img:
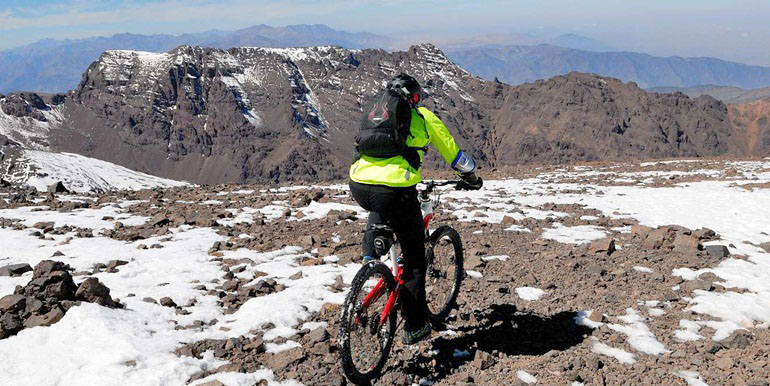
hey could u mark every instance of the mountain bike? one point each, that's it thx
(368, 321)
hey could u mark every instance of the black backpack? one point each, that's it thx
(385, 126)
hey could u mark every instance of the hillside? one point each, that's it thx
(723, 93)
(262, 114)
(523, 63)
(752, 119)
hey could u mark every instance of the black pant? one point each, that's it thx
(400, 208)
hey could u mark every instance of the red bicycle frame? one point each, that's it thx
(426, 205)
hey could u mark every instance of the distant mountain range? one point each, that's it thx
(57, 65)
(208, 115)
(526, 63)
(723, 93)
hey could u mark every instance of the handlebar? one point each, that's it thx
(430, 185)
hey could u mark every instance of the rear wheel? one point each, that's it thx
(444, 254)
(365, 342)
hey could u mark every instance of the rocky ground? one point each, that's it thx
(561, 288)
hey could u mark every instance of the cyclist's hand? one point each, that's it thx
(474, 183)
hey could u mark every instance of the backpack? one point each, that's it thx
(385, 126)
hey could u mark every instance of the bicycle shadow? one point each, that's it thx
(501, 329)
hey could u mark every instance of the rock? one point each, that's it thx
(696, 284)
(167, 302)
(603, 246)
(58, 187)
(765, 246)
(12, 303)
(739, 339)
(507, 220)
(48, 319)
(597, 316)
(483, 360)
(317, 336)
(641, 230)
(93, 291)
(307, 241)
(14, 270)
(724, 363)
(150, 300)
(717, 251)
(656, 238)
(284, 359)
(685, 243)
(296, 276)
(45, 267)
(704, 234)
(10, 323)
(112, 264)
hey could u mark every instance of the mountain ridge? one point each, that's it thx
(56, 66)
(517, 64)
(208, 115)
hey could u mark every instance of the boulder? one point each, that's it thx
(14, 270)
(167, 302)
(93, 291)
(739, 339)
(606, 246)
(687, 243)
(717, 251)
(656, 238)
(483, 360)
(57, 187)
(12, 303)
(697, 284)
(317, 336)
(53, 316)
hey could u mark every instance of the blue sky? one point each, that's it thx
(730, 29)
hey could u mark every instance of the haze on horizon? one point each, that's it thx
(734, 30)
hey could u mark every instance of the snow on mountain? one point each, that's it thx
(79, 173)
(28, 131)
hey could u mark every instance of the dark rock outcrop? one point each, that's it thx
(47, 297)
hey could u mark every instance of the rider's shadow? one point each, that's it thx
(501, 329)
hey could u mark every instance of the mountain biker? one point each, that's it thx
(386, 187)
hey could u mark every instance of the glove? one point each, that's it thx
(470, 181)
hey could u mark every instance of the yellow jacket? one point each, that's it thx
(426, 128)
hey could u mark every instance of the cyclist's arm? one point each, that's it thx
(445, 143)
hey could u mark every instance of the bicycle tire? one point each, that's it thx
(349, 322)
(440, 312)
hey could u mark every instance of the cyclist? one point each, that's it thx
(386, 188)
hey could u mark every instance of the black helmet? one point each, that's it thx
(409, 86)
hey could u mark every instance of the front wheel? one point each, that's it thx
(444, 254)
(365, 339)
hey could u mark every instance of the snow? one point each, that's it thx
(621, 355)
(691, 377)
(99, 341)
(474, 274)
(525, 376)
(27, 131)
(81, 174)
(530, 293)
(642, 269)
(518, 228)
(500, 258)
(581, 234)
(245, 379)
(639, 335)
